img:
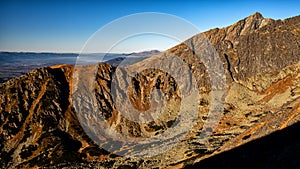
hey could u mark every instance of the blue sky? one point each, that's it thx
(65, 26)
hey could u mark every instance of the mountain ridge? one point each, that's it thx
(39, 125)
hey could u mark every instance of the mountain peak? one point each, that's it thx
(255, 19)
(243, 27)
(256, 15)
(252, 23)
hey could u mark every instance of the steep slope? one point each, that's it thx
(40, 127)
(38, 124)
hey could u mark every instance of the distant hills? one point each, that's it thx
(15, 64)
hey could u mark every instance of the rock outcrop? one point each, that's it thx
(40, 125)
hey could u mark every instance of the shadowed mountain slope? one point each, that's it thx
(278, 150)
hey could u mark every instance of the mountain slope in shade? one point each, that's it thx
(260, 153)
(39, 126)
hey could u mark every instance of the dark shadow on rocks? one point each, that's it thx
(279, 150)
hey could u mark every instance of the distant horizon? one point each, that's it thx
(53, 26)
(45, 52)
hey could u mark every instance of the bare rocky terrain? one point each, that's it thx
(42, 112)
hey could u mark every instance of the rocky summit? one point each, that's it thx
(225, 98)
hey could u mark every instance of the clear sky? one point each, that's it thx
(65, 26)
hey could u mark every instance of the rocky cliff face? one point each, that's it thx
(261, 58)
